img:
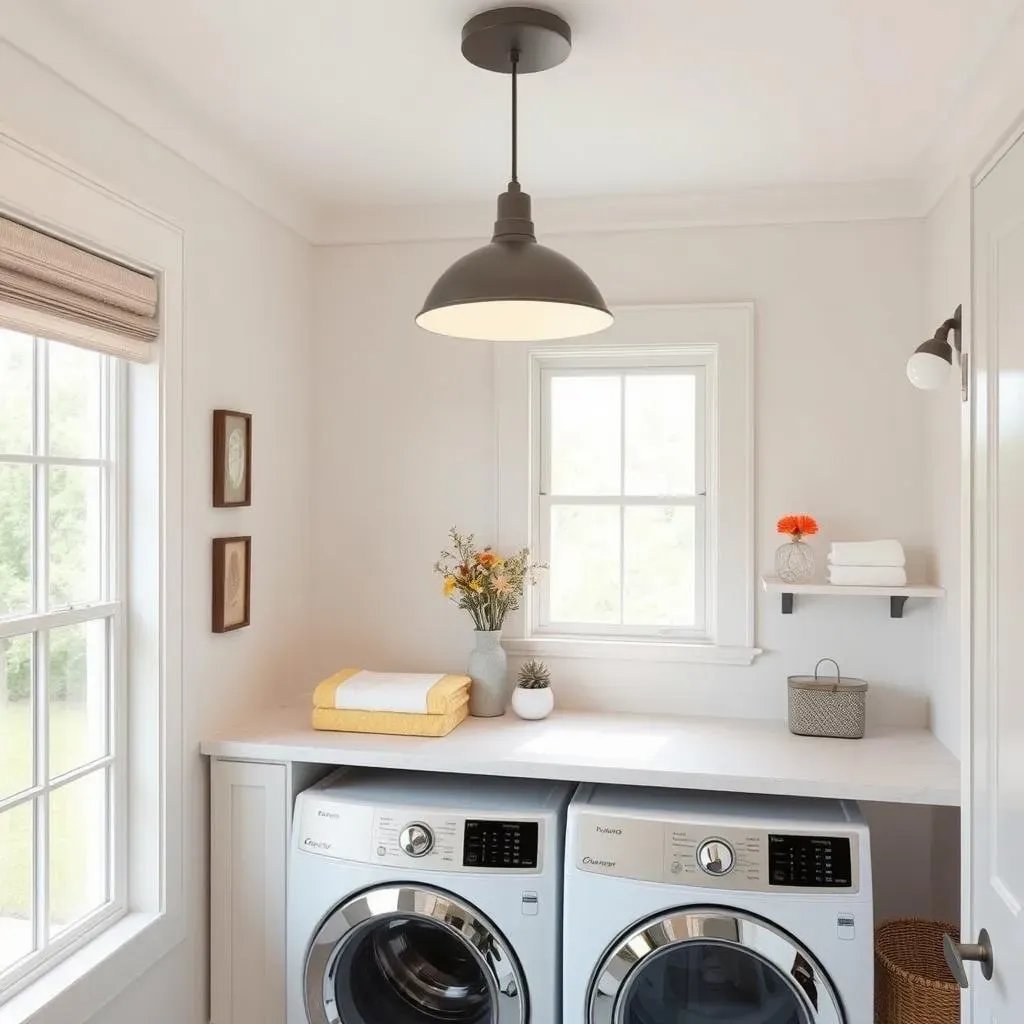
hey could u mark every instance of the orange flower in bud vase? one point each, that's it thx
(798, 526)
(794, 562)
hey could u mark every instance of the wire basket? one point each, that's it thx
(912, 981)
(827, 706)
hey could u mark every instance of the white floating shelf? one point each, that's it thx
(897, 595)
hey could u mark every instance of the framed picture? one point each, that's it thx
(232, 459)
(232, 579)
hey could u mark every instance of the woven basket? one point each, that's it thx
(827, 706)
(912, 982)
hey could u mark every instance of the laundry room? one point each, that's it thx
(500, 512)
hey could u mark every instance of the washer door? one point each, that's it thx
(710, 964)
(406, 954)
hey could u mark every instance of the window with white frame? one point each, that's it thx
(626, 462)
(62, 649)
(621, 503)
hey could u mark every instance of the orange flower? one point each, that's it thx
(798, 526)
(487, 558)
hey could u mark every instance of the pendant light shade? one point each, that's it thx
(515, 289)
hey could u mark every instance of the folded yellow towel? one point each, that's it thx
(394, 723)
(398, 693)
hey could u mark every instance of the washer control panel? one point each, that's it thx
(500, 844)
(716, 856)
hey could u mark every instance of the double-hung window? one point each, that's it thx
(626, 462)
(62, 649)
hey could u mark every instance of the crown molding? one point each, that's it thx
(42, 38)
(887, 200)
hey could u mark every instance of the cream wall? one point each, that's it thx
(247, 346)
(404, 444)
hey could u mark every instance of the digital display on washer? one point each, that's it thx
(500, 844)
(817, 862)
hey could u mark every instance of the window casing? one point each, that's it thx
(621, 480)
(63, 831)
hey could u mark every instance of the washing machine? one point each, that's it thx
(417, 898)
(693, 908)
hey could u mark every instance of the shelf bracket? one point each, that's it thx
(787, 604)
(896, 607)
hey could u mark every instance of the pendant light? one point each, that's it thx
(515, 289)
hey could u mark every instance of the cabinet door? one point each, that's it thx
(248, 851)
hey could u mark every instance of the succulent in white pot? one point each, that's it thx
(532, 698)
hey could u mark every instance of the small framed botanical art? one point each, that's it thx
(232, 579)
(232, 458)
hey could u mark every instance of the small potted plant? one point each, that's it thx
(532, 698)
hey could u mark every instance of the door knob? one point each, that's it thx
(957, 952)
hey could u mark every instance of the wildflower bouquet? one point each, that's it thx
(482, 582)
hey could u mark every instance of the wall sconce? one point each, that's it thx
(928, 368)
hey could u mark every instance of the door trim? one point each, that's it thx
(354, 915)
(618, 969)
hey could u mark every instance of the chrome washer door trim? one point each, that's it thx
(617, 971)
(351, 918)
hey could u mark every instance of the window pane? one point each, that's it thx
(16, 736)
(15, 393)
(16, 856)
(77, 695)
(15, 539)
(660, 434)
(75, 535)
(585, 436)
(584, 575)
(78, 850)
(74, 401)
(660, 566)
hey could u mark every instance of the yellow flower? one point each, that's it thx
(500, 584)
(477, 587)
(449, 586)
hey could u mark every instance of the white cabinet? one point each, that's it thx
(250, 810)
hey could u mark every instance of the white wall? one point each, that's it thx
(404, 442)
(247, 303)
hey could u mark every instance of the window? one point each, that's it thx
(62, 649)
(621, 496)
(626, 462)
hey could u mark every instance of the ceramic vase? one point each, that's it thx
(533, 704)
(488, 668)
(794, 562)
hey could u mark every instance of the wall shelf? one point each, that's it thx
(897, 595)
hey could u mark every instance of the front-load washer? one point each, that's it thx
(693, 908)
(419, 898)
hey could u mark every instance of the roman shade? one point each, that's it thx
(54, 289)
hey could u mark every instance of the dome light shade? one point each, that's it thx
(928, 370)
(514, 289)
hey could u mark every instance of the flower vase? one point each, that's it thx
(794, 562)
(488, 668)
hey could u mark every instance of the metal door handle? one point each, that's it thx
(957, 952)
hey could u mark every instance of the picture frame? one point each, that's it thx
(232, 458)
(232, 583)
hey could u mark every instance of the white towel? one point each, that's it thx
(386, 691)
(867, 575)
(867, 552)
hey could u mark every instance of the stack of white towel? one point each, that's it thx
(867, 563)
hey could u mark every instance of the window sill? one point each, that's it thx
(74, 989)
(630, 650)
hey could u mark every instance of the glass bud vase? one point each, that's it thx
(488, 668)
(794, 562)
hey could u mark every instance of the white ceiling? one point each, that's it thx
(352, 104)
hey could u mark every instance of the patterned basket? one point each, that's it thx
(912, 981)
(827, 707)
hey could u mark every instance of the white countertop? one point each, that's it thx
(895, 764)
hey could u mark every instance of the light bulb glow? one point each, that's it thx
(928, 371)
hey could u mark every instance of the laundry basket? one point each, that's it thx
(912, 982)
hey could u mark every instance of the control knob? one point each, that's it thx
(716, 857)
(416, 840)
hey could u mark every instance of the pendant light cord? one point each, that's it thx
(515, 115)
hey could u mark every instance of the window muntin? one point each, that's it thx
(62, 648)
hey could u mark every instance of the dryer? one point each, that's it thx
(686, 908)
(417, 898)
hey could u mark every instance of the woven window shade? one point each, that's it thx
(59, 282)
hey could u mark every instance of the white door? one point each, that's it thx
(997, 700)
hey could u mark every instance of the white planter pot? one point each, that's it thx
(533, 704)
